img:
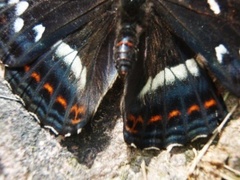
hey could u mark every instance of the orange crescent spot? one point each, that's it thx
(155, 118)
(75, 121)
(26, 68)
(48, 87)
(36, 76)
(174, 113)
(77, 111)
(62, 101)
(135, 121)
(131, 117)
(139, 119)
(131, 130)
(193, 108)
(209, 103)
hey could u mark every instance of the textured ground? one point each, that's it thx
(28, 151)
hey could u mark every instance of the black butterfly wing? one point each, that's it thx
(169, 99)
(63, 71)
(211, 28)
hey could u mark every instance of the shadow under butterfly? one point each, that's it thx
(62, 57)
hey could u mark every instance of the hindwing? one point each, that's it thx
(169, 99)
(64, 69)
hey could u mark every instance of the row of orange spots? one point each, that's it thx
(46, 86)
(78, 111)
(75, 110)
(135, 120)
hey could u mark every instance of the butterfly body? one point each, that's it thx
(63, 57)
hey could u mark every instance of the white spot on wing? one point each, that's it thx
(18, 24)
(220, 51)
(169, 75)
(146, 88)
(171, 146)
(39, 30)
(180, 72)
(71, 58)
(52, 129)
(152, 148)
(21, 7)
(133, 145)
(192, 67)
(13, 1)
(35, 116)
(214, 6)
(83, 77)
(163, 77)
(79, 130)
(67, 135)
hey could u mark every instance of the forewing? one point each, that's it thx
(211, 28)
(28, 28)
(63, 73)
(169, 99)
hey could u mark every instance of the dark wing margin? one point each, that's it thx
(169, 99)
(63, 76)
(211, 28)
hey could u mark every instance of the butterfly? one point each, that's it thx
(62, 57)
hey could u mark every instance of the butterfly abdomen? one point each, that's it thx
(131, 21)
